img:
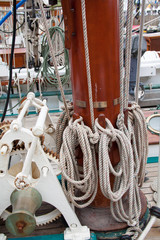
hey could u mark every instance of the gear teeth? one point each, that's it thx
(42, 139)
(22, 146)
(4, 126)
(2, 134)
(52, 153)
(50, 220)
(48, 151)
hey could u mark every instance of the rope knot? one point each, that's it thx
(94, 137)
(132, 225)
(69, 106)
(133, 232)
(112, 130)
(120, 121)
(109, 130)
(73, 125)
(113, 135)
(134, 106)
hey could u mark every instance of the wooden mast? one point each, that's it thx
(103, 40)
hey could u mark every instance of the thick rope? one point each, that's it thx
(134, 232)
(82, 182)
(61, 125)
(87, 61)
(124, 175)
(108, 136)
(140, 50)
(53, 57)
(121, 24)
(138, 131)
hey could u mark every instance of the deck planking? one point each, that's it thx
(151, 174)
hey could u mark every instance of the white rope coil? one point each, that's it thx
(121, 173)
(61, 125)
(125, 181)
(82, 181)
(138, 131)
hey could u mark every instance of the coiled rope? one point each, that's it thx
(81, 187)
(138, 134)
(61, 125)
(123, 172)
(61, 55)
(84, 180)
(109, 135)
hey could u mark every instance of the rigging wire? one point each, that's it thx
(11, 61)
(139, 51)
(16, 28)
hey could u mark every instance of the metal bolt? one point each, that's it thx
(73, 225)
(15, 127)
(45, 171)
(4, 150)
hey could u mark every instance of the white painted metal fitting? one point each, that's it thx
(30, 96)
(37, 131)
(50, 130)
(2, 236)
(45, 171)
(3, 150)
(77, 233)
(15, 125)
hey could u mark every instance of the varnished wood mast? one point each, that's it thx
(103, 40)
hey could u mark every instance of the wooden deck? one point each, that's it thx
(152, 173)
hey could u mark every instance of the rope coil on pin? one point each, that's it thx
(82, 180)
(138, 132)
(121, 173)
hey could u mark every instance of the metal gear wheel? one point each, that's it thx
(4, 127)
(40, 220)
(19, 148)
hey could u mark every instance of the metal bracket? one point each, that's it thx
(100, 104)
(116, 101)
(81, 104)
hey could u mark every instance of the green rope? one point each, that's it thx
(48, 71)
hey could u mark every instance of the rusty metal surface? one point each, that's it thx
(21, 222)
(55, 227)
